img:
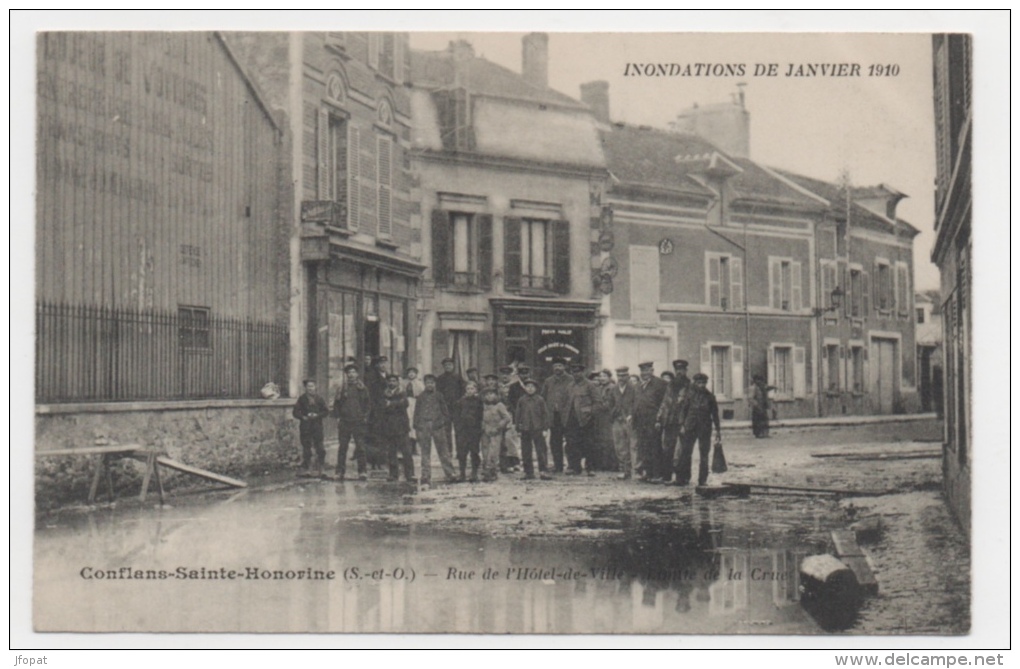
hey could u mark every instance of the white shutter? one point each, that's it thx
(373, 50)
(800, 371)
(385, 157)
(398, 58)
(771, 360)
(736, 283)
(824, 362)
(843, 361)
(775, 283)
(324, 157)
(712, 282)
(353, 178)
(796, 283)
(706, 360)
(737, 372)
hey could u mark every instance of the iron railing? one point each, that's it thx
(91, 353)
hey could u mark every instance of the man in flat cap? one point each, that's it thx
(451, 386)
(584, 402)
(647, 401)
(620, 408)
(698, 413)
(669, 417)
(351, 407)
(310, 409)
(556, 391)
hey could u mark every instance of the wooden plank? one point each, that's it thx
(723, 490)
(830, 491)
(861, 568)
(201, 473)
(845, 543)
(94, 450)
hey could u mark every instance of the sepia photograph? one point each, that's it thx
(542, 332)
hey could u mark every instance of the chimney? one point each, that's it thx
(595, 94)
(535, 59)
(462, 53)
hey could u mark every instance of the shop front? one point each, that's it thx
(362, 304)
(537, 332)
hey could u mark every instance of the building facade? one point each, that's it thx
(159, 272)
(867, 345)
(359, 264)
(503, 169)
(714, 257)
(952, 252)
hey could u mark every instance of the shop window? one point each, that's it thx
(462, 249)
(785, 284)
(724, 281)
(537, 255)
(193, 328)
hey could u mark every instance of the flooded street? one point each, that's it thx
(566, 556)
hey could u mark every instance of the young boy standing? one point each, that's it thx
(394, 427)
(467, 417)
(310, 409)
(495, 420)
(532, 420)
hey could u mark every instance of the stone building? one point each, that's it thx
(503, 170)
(952, 75)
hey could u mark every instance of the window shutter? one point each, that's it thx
(770, 357)
(398, 59)
(826, 383)
(865, 293)
(561, 256)
(706, 360)
(440, 340)
(736, 283)
(324, 160)
(484, 222)
(384, 147)
(848, 295)
(442, 260)
(842, 368)
(799, 371)
(796, 289)
(737, 372)
(373, 50)
(353, 178)
(775, 283)
(824, 298)
(895, 303)
(713, 280)
(511, 253)
(903, 294)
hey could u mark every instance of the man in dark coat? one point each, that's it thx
(310, 409)
(669, 417)
(375, 381)
(431, 418)
(584, 401)
(647, 400)
(352, 408)
(556, 392)
(451, 386)
(698, 413)
(393, 428)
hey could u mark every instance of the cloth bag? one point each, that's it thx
(718, 459)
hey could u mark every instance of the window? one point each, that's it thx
(857, 369)
(462, 350)
(373, 50)
(536, 255)
(787, 370)
(724, 364)
(193, 328)
(832, 368)
(339, 148)
(724, 281)
(829, 283)
(387, 54)
(392, 333)
(854, 295)
(462, 249)
(919, 314)
(785, 284)
(883, 286)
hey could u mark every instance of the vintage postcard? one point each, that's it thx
(488, 332)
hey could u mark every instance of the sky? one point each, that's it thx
(879, 128)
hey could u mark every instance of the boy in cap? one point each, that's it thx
(351, 408)
(451, 386)
(698, 413)
(532, 420)
(393, 428)
(495, 420)
(556, 391)
(431, 418)
(467, 416)
(310, 409)
(619, 400)
(584, 402)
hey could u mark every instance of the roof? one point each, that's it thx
(836, 195)
(434, 69)
(640, 155)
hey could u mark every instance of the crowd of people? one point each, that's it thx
(573, 423)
